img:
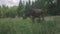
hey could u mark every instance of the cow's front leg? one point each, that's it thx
(33, 19)
(39, 19)
(42, 17)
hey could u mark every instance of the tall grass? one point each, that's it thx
(20, 26)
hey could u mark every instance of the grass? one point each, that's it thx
(19, 26)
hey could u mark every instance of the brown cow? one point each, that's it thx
(34, 13)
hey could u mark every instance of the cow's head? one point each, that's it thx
(26, 14)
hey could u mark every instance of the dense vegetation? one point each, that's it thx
(20, 26)
(49, 7)
(11, 25)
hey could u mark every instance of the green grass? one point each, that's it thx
(19, 26)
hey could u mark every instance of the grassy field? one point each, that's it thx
(51, 25)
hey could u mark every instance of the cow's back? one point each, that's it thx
(36, 12)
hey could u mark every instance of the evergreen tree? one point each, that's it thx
(28, 6)
(58, 7)
(20, 7)
(51, 7)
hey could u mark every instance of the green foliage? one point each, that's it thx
(38, 4)
(48, 7)
(5, 11)
(20, 8)
(28, 6)
(20, 26)
(51, 7)
(58, 7)
(12, 12)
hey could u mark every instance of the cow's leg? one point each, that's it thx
(39, 19)
(42, 17)
(33, 19)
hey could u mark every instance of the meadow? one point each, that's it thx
(51, 25)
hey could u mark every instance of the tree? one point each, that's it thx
(58, 7)
(3, 10)
(0, 9)
(28, 6)
(51, 7)
(12, 12)
(20, 7)
(38, 4)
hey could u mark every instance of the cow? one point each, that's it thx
(34, 13)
